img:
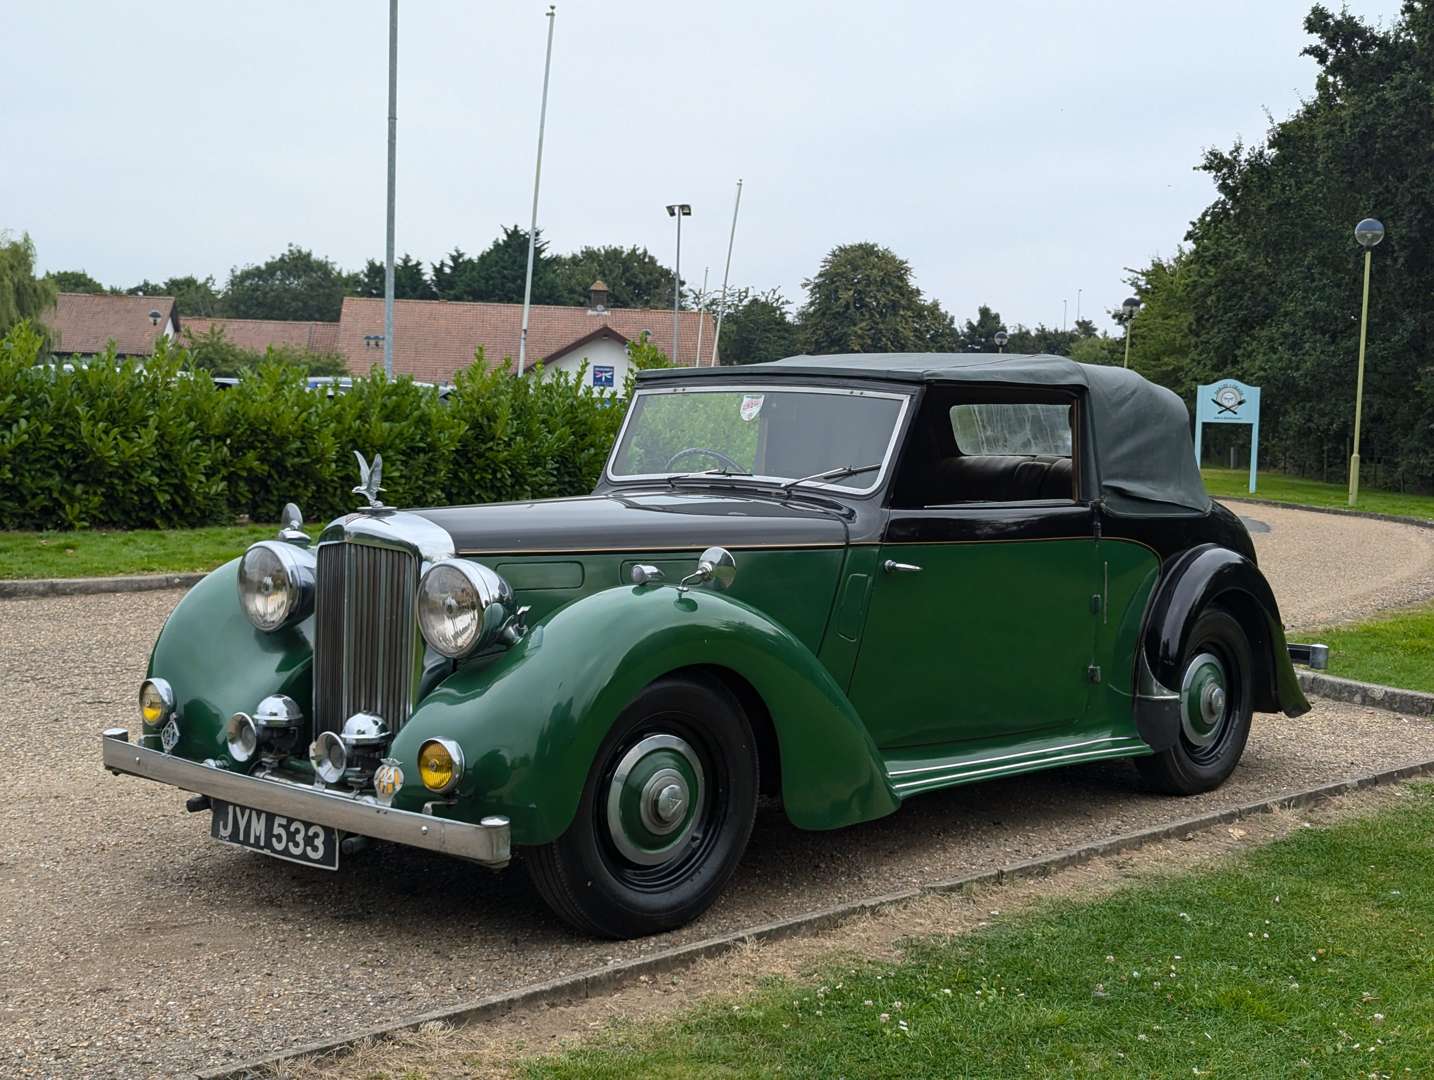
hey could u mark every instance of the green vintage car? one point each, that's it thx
(840, 581)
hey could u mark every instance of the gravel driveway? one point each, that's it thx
(131, 945)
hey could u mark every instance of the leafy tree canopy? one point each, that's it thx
(213, 352)
(633, 276)
(193, 296)
(74, 281)
(410, 280)
(499, 272)
(862, 299)
(295, 285)
(757, 327)
(22, 295)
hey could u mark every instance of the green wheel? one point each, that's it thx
(665, 815)
(1215, 710)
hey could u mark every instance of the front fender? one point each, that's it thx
(218, 663)
(1212, 574)
(530, 722)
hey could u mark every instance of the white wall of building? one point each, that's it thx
(600, 354)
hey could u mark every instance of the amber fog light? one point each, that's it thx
(241, 737)
(156, 702)
(440, 765)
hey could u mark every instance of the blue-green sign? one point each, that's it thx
(1229, 402)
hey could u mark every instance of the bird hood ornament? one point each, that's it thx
(369, 478)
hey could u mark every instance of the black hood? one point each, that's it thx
(639, 521)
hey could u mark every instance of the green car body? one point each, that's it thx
(876, 643)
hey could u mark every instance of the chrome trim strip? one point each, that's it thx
(1008, 757)
(741, 388)
(487, 843)
(1109, 751)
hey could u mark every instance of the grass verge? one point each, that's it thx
(1235, 484)
(137, 551)
(1306, 958)
(1393, 649)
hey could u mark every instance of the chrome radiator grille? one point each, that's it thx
(364, 634)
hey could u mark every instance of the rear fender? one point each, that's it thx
(531, 721)
(1212, 575)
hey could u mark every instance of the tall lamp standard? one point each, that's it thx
(1368, 233)
(1130, 307)
(1000, 339)
(678, 211)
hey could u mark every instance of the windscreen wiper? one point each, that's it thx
(839, 473)
(672, 480)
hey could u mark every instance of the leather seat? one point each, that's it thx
(999, 478)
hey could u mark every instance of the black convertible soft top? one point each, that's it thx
(1142, 443)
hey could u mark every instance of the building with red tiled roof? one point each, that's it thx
(433, 339)
(257, 335)
(85, 323)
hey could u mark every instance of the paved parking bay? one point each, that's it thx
(133, 945)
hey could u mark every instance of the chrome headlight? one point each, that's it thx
(156, 702)
(276, 584)
(462, 607)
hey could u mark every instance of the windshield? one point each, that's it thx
(767, 433)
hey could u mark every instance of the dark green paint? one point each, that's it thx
(952, 653)
(531, 721)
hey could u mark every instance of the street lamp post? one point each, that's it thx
(1367, 233)
(1000, 339)
(1130, 307)
(388, 288)
(552, 18)
(678, 211)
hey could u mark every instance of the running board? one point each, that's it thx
(911, 772)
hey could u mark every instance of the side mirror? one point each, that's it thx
(715, 567)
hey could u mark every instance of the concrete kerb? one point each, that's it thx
(590, 983)
(16, 589)
(1418, 523)
(1370, 695)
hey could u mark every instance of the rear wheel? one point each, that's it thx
(664, 817)
(1215, 710)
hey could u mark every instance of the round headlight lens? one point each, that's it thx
(462, 606)
(156, 702)
(276, 584)
(440, 764)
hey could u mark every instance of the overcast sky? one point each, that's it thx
(1013, 153)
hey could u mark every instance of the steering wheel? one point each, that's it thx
(715, 454)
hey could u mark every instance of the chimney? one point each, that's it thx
(597, 302)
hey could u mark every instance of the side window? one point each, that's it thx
(973, 449)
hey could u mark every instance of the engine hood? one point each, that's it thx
(637, 521)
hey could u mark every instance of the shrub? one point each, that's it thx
(119, 444)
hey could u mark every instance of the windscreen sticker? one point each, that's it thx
(751, 406)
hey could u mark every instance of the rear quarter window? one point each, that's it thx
(1012, 428)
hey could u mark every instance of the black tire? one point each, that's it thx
(1211, 741)
(589, 875)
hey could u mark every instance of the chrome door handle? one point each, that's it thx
(891, 566)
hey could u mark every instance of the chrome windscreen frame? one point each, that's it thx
(767, 388)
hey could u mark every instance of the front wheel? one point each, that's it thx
(1215, 710)
(664, 817)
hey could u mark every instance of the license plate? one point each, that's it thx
(276, 835)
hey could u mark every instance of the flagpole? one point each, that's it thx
(727, 270)
(537, 179)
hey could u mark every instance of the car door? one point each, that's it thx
(981, 621)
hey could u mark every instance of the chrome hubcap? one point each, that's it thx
(652, 799)
(1203, 700)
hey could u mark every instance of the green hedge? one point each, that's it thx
(116, 445)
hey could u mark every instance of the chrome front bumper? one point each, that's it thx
(486, 843)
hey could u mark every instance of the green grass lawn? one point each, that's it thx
(1394, 649)
(1307, 958)
(1235, 483)
(138, 551)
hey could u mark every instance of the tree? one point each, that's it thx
(633, 276)
(862, 299)
(1271, 282)
(757, 328)
(213, 352)
(193, 296)
(410, 280)
(295, 285)
(979, 334)
(498, 274)
(1162, 339)
(74, 281)
(22, 295)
